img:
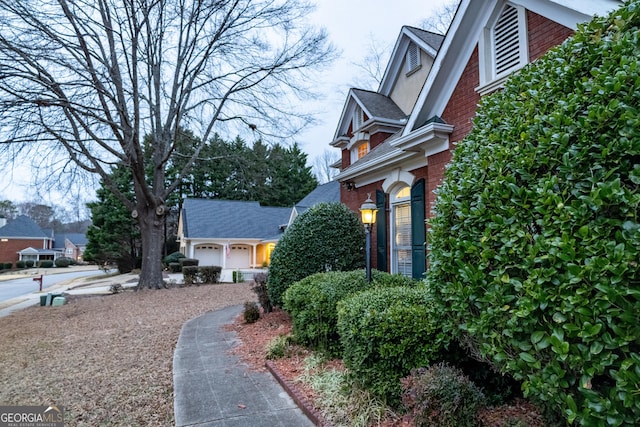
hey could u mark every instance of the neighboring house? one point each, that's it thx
(230, 234)
(402, 161)
(22, 239)
(323, 193)
(72, 245)
(238, 235)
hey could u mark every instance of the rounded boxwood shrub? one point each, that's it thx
(190, 275)
(62, 262)
(45, 264)
(174, 257)
(387, 332)
(327, 237)
(536, 234)
(441, 395)
(312, 303)
(209, 273)
(188, 262)
(251, 312)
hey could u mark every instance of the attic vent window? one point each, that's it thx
(507, 46)
(503, 48)
(413, 57)
(357, 118)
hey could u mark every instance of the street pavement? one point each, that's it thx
(98, 284)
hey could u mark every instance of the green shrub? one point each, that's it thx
(441, 396)
(8, 265)
(190, 275)
(173, 258)
(279, 347)
(175, 267)
(63, 262)
(237, 277)
(327, 237)
(251, 312)
(209, 274)
(20, 264)
(312, 303)
(29, 263)
(386, 332)
(188, 262)
(45, 264)
(260, 288)
(536, 234)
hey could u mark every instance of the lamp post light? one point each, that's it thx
(368, 211)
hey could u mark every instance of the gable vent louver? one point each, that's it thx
(413, 57)
(506, 39)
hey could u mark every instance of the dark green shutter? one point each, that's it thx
(381, 231)
(418, 230)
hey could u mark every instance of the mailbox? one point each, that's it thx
(38, 279)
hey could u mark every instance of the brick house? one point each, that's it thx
(23, 239)
(406, 156)
(72, 245)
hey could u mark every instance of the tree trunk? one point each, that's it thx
(152, 232)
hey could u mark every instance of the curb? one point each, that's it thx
(302, 402)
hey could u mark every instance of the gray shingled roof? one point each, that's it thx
(78, 239)
(22, 227)
(227, 219)
(378, 105)
(432, 39)
(324, 193)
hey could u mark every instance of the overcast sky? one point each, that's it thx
(351, 25)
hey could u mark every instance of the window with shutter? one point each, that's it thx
(401, 232)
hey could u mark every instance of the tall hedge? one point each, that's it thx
(327, 237)
(536, 238)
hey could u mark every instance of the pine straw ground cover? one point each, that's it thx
(106, 359)
(356, 409)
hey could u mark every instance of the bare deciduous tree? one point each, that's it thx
(440, 21)
(82, 83)
(322, 165)
(372, 65)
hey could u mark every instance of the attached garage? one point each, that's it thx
(239, 256)
(208, 254)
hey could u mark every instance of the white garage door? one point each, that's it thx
(239, 257)
(209, 254)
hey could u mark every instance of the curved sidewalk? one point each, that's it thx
(213, 388)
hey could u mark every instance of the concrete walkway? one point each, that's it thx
(213, 388)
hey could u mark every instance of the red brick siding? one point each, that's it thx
(377, 139)
(9, 250)
(459, 112)
(543, 34)
(346, 158)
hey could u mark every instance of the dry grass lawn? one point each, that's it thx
(106, 359)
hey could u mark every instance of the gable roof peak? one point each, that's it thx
(433, 39)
